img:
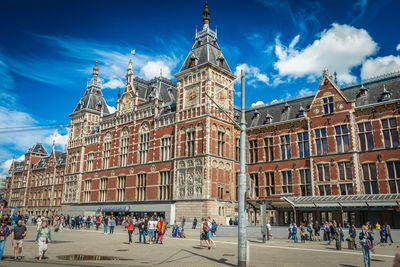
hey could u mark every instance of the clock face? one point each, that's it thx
(126, 103)
(192, 95)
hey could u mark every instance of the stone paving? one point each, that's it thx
(186, 252)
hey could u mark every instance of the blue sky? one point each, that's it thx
(48, 49)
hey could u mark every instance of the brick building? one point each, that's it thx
(35, 185)
(169, 149)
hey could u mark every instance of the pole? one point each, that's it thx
(264, 230)
(242, 239)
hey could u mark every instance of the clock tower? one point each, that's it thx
(204, 162)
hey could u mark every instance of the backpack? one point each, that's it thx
(214, 226)
(206, 229)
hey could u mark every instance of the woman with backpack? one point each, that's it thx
(366, 239)
(43, 237)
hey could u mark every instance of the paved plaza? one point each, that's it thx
(186, 252)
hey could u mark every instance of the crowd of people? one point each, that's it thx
(334, 232)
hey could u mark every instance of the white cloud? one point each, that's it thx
(114, 83)
(339, 49)
(112, 109)
(398, 47)
(258, 103)
(252, 73)
(152, 69)
(305, 92)
(379, 66)
(58, 139)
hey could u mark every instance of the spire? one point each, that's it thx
(129, 72)
(206, 16)
(95, 72)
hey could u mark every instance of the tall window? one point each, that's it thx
(165, 182)
(324, 190)
(328, 105)
(365, 136)
(221, 143)
(303, 145)
(269, 148)
(321, 141)
(121, 188)
(390, 132)
(144, 144)
(254, 185)
(87, 191)
(253, 149)
(285, 147)
(141, 186)
(287, 182)
(103, 190)
(107, 150)
(237, 149)
(220, 189)
(123, 153)
(345, 171)
(166, 148)
(394, 176)
(305, 185)
(323, 172)
(346, 189)
(269, 183)
(342, 138)
(370, 178)
(73, 163)
(191, 142)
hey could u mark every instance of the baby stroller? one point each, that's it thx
(181, 232)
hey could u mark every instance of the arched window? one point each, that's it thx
(144, 139)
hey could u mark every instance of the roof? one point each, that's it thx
(335, 201)
(376, 88)
(160, 87)
(18, 166)
(42, 163)
(37, 149)
(205, 50)
(92, 100)
(61, 157)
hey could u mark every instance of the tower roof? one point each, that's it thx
(205, 49)
(37, 149)
(93, 99)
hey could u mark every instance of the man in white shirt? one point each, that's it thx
(152, 224)
(268, 230)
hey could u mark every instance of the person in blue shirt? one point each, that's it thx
(366, 239)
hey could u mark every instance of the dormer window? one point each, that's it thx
(268, 119)
(215, 43)
(385, 94)
(97, 92)
(256, 114)
(221, 62)
(98, 106)
(301, 112)
(193, 60)
(287, 107)
(170, 90)
(236, 116)
(151, 97)
(363, 91)
(198, 43)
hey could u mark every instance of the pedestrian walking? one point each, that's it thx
(366, 239)
(152, 225)
(194, 223)
(302, 233)
(17, 237)
(210, 234)
(142, 231)
(269, 228)
(204, 229)
(294, 233)
(353, 234)
(112, 225)
(161, 228)
(130, 227)
(388, 233)
(4, 233)
(43, 238)
(105, 224)
(183, 222)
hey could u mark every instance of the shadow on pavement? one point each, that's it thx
(221, 260)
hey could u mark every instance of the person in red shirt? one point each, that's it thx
(130, 227)
(98, 221)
